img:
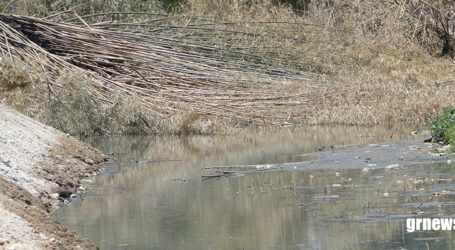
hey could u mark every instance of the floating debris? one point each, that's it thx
(393, 166)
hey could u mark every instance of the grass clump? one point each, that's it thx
(450, 136)
(443, 126)
(13, 76)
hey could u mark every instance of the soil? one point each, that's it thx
(40, 169)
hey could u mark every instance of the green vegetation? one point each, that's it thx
(448, 167)
(443, 126)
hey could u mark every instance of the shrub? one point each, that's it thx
(443, 126)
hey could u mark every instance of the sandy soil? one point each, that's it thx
(40, 168)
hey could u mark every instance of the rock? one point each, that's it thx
(418, 182)
(64, 193)
(89, 161)
(69, 184)
(391, 166)
(54, 196)
(263, 166)
(3, 242)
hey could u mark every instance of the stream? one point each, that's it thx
(155, 194)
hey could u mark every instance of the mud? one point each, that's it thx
(388, 155)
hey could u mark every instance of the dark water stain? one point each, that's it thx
(153, 197)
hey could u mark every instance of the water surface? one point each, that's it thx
(152, 195)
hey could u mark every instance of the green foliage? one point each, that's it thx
(447, 167)
(443, 126)
(450, 135)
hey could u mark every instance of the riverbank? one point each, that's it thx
(40, 168)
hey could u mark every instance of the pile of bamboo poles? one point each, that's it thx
(164, 74)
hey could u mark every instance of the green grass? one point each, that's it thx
(443, 126)
(446, 167)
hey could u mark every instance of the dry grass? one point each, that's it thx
(365, 63)
(384, 68)
(13, 76)
(386, 76)
(165, 77)
(383, 71)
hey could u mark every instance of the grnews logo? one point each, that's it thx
(429, 224)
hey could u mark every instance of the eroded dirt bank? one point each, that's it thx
(40, 168)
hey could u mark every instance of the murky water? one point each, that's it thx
(153, 197)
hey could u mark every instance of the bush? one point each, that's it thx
(443, 126)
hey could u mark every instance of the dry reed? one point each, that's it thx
(345, 63)
(167, 77)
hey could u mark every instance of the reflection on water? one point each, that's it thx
(152, 195)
